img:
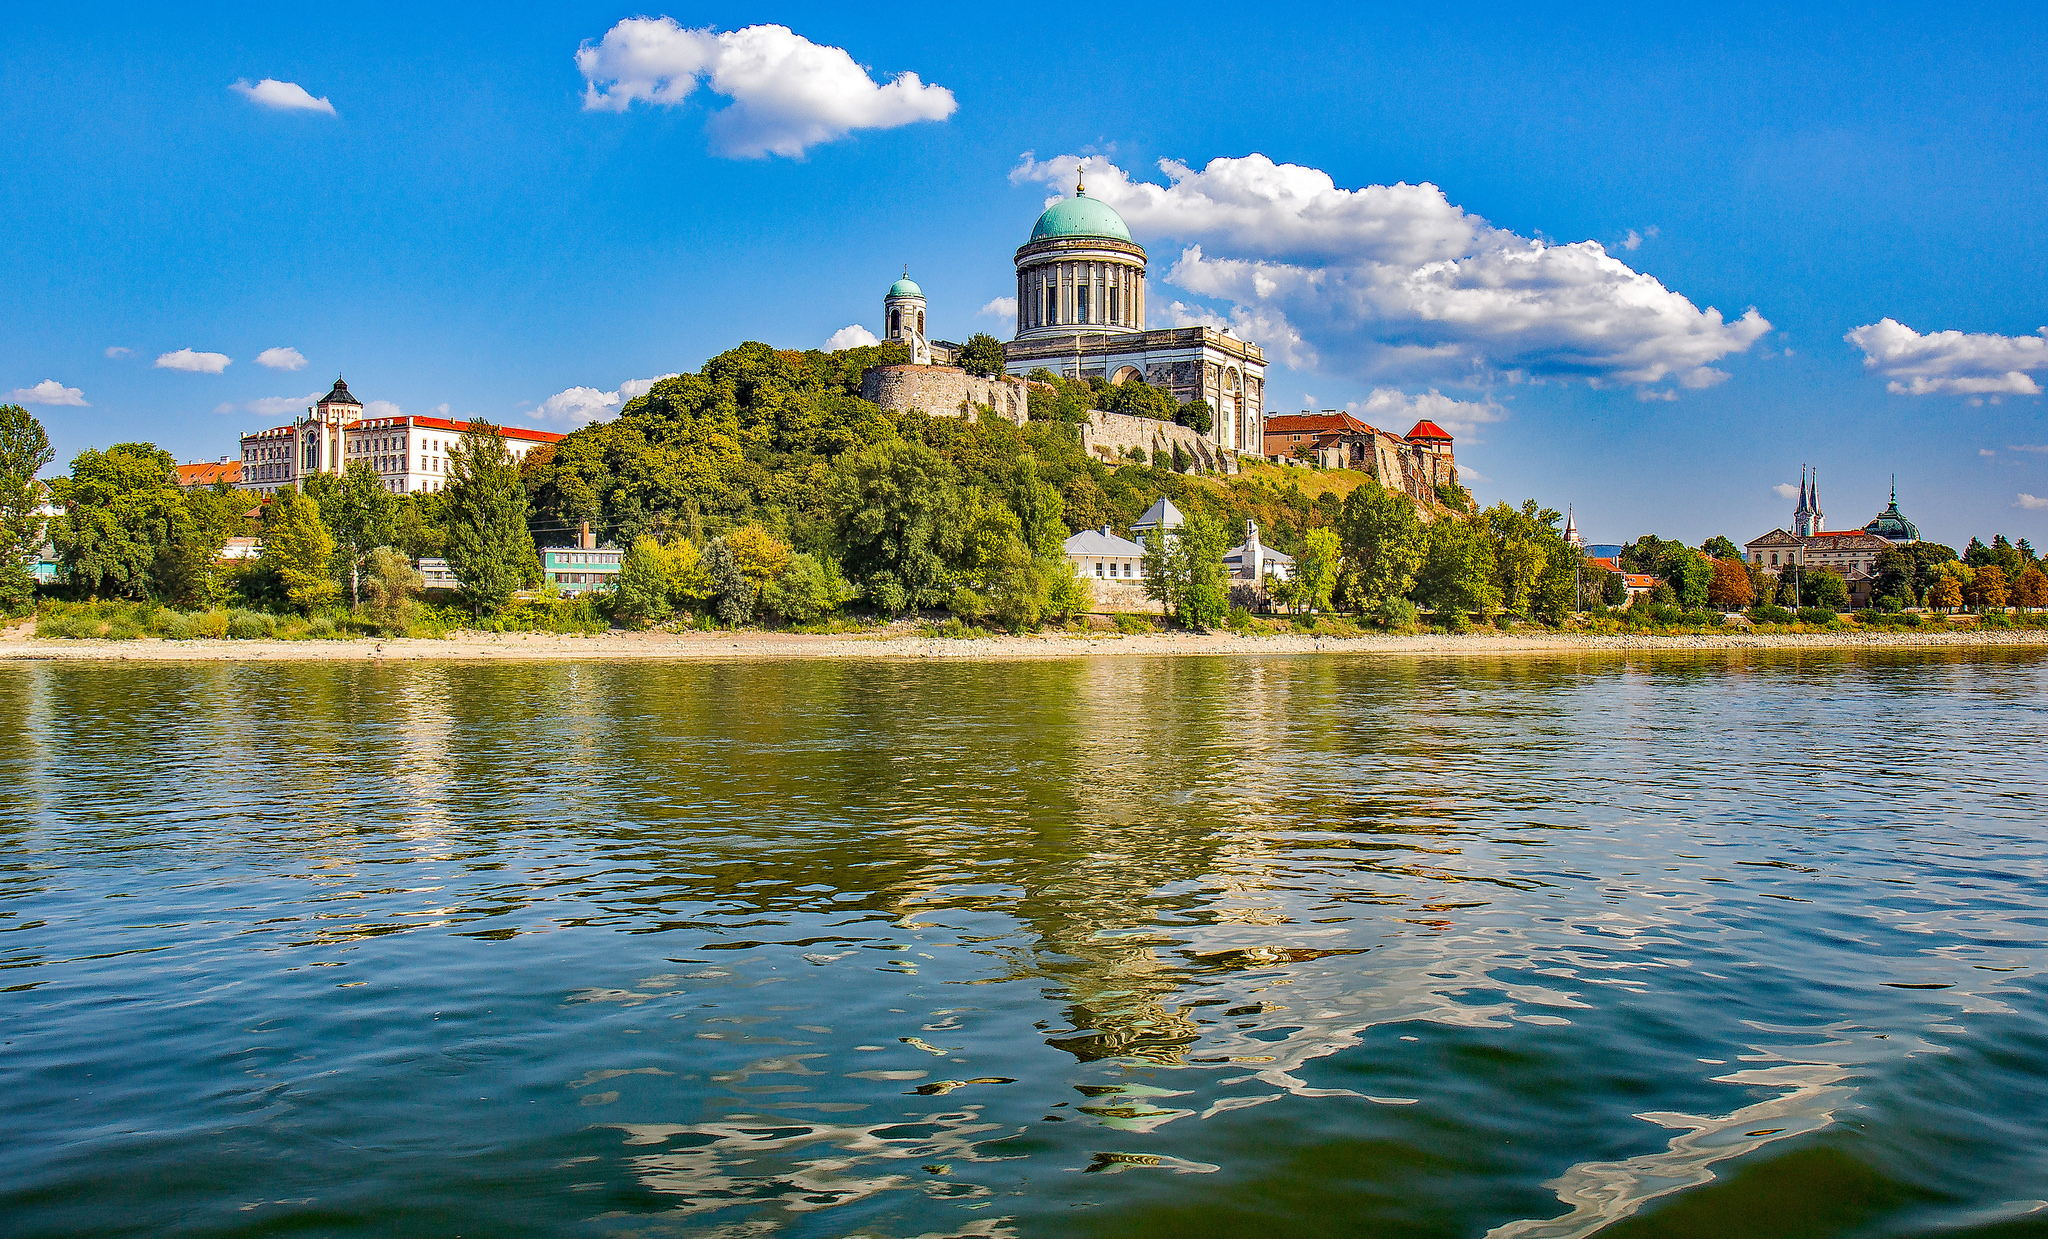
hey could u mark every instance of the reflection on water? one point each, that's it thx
(1322, 946)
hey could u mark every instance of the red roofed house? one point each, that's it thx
(410, 454)
(1415, 465)
(200, 476)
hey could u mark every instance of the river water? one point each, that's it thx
(1717, 944)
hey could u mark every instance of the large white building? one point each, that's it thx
(409, 453)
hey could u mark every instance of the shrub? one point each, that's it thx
(177, 627)
(321, 628)
(1128, 622)
(1453, 620)
(123, 629)
(1395, 615)
(67, 627)
(1819, 617)
(1770, 613)
(213, 624)
(250, 625)
(1240, 619)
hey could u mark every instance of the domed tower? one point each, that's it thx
(1080, 273)
(903, 319)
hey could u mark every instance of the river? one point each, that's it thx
(1702, 944)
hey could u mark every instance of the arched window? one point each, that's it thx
(895, 322)
(920, 322)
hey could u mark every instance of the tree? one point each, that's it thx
(809, 590)
(894, 507)
(362, 514)
(1823, 587)
(982, 355)
(1689, 573)
(642, 596)
(2032, 591)
(389, 586)
(24, 449)
(1989, 589)
(1614, 590)
(1456, 577)
(761, 556)
(731, 588)
(299, 547)
(1206, 604)
(1165, 566)
(1382, 540)
(1197, 416)
(1519, 552)
(1947, 593)
(1721, 548)
(127, 532)
(1315, 569)
(1730, 589)
(489, 548)
(1895, 571)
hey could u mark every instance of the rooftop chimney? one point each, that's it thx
(584, 540)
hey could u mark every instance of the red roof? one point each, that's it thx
(207, 474)
(1313, 423)
(1640, 580)
(1840, 533)
(443, 423)
(1605, 565)
(1426, 429)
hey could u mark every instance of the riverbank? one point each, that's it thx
(906, 642)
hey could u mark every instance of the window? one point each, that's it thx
(1081, 304)
(1052, 303)
(1112, 304)
(920, 322)
(895, 321)
(1774, 559)
(1098, 567)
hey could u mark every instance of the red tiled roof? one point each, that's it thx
(1640, 580)
(443, 423)
(1313, 423)
(1426, 429)
(1840, 533)
(1605, 565)
(208, 473)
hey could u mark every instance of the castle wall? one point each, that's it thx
(1110, 436)
(944, 391)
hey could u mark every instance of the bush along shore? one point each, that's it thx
(763, 493)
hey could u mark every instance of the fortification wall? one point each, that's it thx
(944, 391)
(1110, 437)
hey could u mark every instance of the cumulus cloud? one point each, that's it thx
(853, 335)
(281, 96)
(2032, 503)
(1951, 362)
(281, 359)
(1398, 282)
(194, 363)
(1785, 490)
(788, 94)
(117, 351)
(999, 307)
(49, 391)
(579, 406)
(381, 408)
(1392, 409)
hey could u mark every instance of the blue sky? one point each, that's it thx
(457, 227)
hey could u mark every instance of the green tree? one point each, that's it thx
(300, 548)
(982, 355)
(1895, 570)
(390, 587)
(24, 450)
(894, 507)
(1383, 544)
(1206, 603)
(1822, 587)
(127, 532)
(362, 514)
(1520, 552)
(1456, 576)
(643, 589)
(1165, 566)
(809, 590)
(1614, 590)
(1315, 569)
(489, 549)
(732, 590)
(1721, 548)
(1197, 416)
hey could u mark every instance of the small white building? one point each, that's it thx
(1254, 561)
(1099, 555)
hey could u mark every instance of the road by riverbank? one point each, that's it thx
(905, 642)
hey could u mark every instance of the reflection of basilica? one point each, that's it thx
(1081, 313)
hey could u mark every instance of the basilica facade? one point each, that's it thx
(1081, 314)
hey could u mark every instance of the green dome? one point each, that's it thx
(1080, 216)
(905, 287)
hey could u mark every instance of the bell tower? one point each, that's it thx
(903, 319)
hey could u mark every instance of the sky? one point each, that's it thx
(1645, 265)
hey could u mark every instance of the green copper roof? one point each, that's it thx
(905, 288)
(1080, 216)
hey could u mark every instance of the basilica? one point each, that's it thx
(1081, 314)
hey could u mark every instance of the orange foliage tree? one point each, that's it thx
(1730, 589)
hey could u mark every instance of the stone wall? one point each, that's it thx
(944, 391)
(1114, 596)
(1110, 436)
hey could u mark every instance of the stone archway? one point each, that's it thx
(1125, 374)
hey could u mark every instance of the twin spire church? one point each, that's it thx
(1081, 314)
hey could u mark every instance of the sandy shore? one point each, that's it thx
(17, 644)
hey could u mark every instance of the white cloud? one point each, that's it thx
(271, 406)
(381, 408)
(1986, 452)
(1649, 394)
(999, 307)
(281, 359)
(2032, 503)
(1391, 409)
(117, 351)
(1466, 473)
(788, 94)
(578, 406)
(194, 363)
(1785, 490)
(2027, 447)
(1398, 282)
(281, 96)
(1633, 241)
(853, 335)
(1951, 362)
(49, 391)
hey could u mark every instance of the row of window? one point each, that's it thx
(1044, 303)
(1129, 568)
(584, 557)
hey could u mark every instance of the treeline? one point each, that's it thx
(1918, 574)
